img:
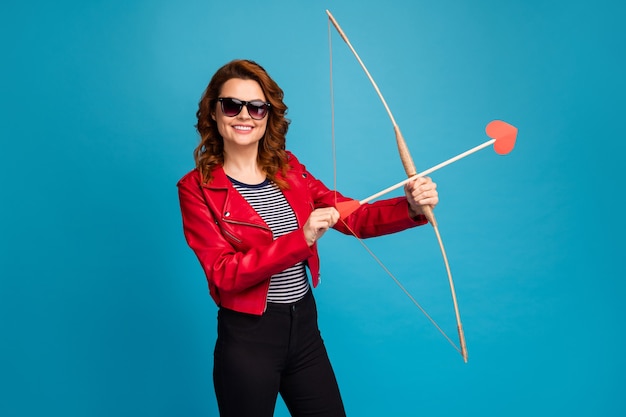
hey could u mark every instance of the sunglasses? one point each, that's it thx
(231, 107)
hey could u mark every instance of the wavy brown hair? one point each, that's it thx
(272, 157)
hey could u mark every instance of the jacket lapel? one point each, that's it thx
(228, 204)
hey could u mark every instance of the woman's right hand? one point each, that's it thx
(318, 223)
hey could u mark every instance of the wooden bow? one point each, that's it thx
(409, 168)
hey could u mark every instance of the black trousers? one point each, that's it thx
(258, 357)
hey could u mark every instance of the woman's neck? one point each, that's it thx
(244, 168)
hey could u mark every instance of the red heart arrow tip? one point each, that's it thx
(504, 134)
(346, 208)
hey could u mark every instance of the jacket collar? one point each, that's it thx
(219, 180)
(236, 208)
(233, 206)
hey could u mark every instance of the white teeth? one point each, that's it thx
(243, 127)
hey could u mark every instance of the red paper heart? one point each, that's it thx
(504, 134)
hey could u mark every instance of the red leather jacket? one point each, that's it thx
(236, 248)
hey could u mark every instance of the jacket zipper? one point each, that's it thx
(267, 287)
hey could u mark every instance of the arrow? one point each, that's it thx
(503, 137)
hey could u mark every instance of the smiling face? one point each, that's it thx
(240, 132)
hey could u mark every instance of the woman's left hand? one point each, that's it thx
(421, 192)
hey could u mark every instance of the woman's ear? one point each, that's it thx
(213, 116)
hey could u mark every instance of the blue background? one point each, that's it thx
(104, 310)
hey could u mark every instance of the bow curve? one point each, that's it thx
(409, 168)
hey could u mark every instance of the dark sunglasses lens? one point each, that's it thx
(257, 109)
(231, 107)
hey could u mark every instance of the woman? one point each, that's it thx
(253, 214)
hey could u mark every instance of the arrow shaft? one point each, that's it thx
(428, 171)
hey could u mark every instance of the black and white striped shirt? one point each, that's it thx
(269, 202)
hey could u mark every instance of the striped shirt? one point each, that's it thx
(269, 202)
